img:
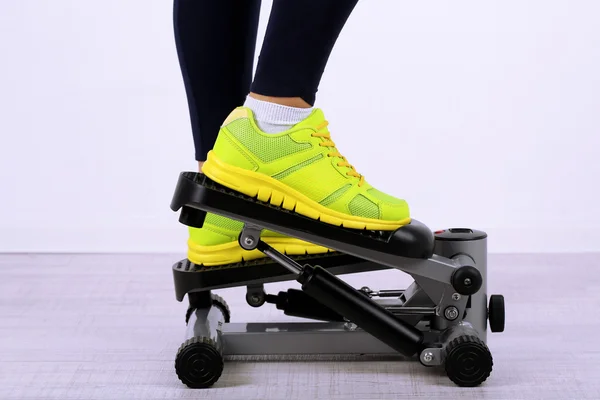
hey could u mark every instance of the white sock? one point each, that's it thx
(275, 118)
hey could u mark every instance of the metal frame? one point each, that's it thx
(436, 304)
(309, 338)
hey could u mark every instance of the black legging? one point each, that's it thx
(216, 42)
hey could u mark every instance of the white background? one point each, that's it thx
(480, 113)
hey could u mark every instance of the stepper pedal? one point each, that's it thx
(440, 319)
(189, 277)
(196, 194)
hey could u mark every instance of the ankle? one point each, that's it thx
(296, 102)
(200, 166)
(274, 117)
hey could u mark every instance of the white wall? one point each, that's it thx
(481, 114)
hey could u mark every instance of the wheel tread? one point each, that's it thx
(216, 301)
(222, 304)
(453, 361)
(496, 313)
(187, 354)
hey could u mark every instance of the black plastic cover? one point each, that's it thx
(189, 277)
(460, 234)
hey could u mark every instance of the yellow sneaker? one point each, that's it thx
(216, 243)
(301, 170)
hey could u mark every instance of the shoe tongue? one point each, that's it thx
(316, 118)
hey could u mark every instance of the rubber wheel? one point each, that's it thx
(216, 301)
(496, 313)
(220, 302)
(198, 363)
(468, 361)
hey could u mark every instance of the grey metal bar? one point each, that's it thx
(299, 338)
(282, 259)
(396, 310)
(477, 251)
(206, 322)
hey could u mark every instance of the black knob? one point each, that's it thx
(496, 313)
(467, 280)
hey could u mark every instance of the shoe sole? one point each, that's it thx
(231, 253)
(267, 189)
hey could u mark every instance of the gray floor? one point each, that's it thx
(108, 327)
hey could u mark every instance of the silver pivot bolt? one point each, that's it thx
(428, 357)
(248, 240)
(350, 326)
(250, 237)
(456, 297)
(451, 313)
(467, 282)
(255, 295)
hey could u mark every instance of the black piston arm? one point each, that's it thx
(342, 298)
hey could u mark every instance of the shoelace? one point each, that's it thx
(327, 142)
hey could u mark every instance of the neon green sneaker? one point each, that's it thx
(216, 243)
(301, 170)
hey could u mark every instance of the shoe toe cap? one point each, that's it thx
(394, 212)
(390, 207)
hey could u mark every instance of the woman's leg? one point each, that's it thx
(215, 41)
(278, 148)
(298, 42)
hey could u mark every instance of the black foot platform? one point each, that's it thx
(190, 277)
(195, 194)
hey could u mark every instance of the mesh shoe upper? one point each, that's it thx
(305, 158)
